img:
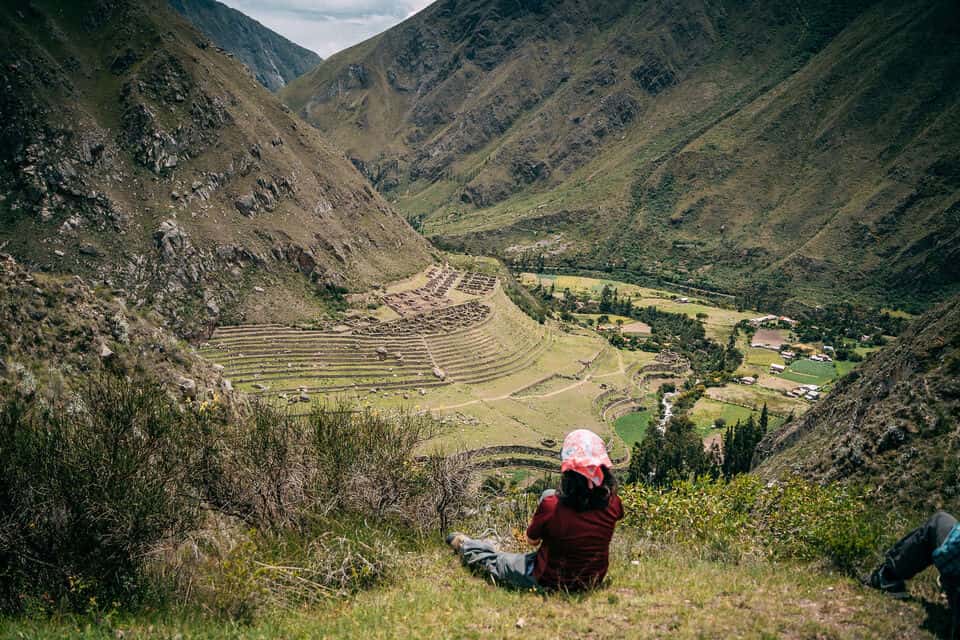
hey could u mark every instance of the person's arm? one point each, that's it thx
(537, 526)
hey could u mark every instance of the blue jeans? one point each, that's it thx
(505, 569)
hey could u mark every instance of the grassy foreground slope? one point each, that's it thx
(658, 594)
(796, 145)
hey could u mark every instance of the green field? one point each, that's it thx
(706, 412)
(809, 372)
(633, 426)
(762, 357)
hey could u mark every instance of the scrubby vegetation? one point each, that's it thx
(748, 518)
(122, 497)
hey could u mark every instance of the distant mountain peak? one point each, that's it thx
(273, 59)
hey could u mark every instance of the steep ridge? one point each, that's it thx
(273, 59)
(134, 153)
(59, 334)
(893, 424)
(796, 145)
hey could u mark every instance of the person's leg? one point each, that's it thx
(507, 569)
(515, 570)
(914, 552)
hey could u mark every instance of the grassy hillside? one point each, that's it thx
(661, 594)
(666, 579)
(796, 146)
(138, 155)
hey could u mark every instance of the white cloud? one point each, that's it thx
(328, 26)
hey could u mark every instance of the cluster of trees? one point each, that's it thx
(740, 442)
(676, 331)
(836, 323)
(677, 453)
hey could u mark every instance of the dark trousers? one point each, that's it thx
(914, 552)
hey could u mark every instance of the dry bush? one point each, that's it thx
(88, 488)
(277, 471)
(93, 488)
(237, 573)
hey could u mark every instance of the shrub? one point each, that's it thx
(89, 487)
(745, 517)
(95, 490)
(239, 577)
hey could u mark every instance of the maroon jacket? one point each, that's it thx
(575, 551)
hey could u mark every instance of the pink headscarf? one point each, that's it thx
(584, 452)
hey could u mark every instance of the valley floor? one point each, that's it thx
(651, 593)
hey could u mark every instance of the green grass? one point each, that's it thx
(809, 372)
(706, 412)
(652, 592)
(633, 426)
(762, 357)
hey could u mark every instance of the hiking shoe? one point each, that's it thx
(456, 540)
(891, 586)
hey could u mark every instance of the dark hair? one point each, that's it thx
(576, 494)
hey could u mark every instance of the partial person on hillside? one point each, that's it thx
(573, 527)
(936, 542)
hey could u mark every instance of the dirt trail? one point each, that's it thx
(579, 383)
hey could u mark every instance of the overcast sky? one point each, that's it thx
(328, 26)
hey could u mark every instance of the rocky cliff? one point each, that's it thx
(893, 424)
(721, 144)
(273, 59)
(136, 154)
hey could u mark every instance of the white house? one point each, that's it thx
(777, 368)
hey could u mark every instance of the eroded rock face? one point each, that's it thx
(171, 239)
(653, 74)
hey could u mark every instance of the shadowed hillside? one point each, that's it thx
(892, 424)
(134, 153)
(799, 145)
(273, 59)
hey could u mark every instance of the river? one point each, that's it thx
(667, 410)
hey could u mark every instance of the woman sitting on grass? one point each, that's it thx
(572, 527)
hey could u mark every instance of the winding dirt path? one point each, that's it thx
(538, 396)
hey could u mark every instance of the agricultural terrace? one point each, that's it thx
(452, 343)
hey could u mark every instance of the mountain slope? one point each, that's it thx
(894, 423)
(136, 155)
(273, 59)
(59, 335)
(701, 142)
